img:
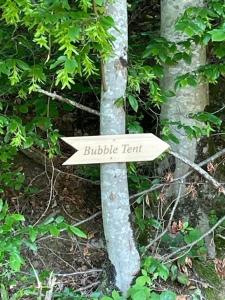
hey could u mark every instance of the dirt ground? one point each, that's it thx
(76, 262)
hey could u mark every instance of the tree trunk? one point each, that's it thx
(189, 99)
(114, 187)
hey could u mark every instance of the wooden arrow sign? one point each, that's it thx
(115, 148)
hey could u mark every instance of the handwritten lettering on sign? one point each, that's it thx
(115, 148)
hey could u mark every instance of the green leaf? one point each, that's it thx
(107, 21)
(151, 264)
(71, 65)
(116, 296)
(192, 236)
(186, 80)
(1, 204)
(22, 65)
(49, 221)
(43, 123)
(208, 117)
(133, 102)
(17, 217)
(183, 279)
(33, 234)
(219, 50)
(154, 296)
(23, 108)
(174, 271)
(60, 60)
(15, 261)
(163, 272)
(36, 72)
(140, 295)
(77, 231)
(4, 68)
(119, 102)
(28, 142)
(99, 2)
(168, 296)
(54, 230)
(59, 219)
(31, 246)
(141, 281)
(135, 127)
(218, 35)
(74, 33)
(4, 293)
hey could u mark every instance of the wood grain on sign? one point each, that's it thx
(115, 148)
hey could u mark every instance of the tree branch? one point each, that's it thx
(169, 223)
(158, 186)
(75, 225)
(202, 172)
(206, 161)
(70, 102)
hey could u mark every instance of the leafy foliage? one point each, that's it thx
(70, 30)
(15, 236)
(58, 44)
(55, 42)
(201, 26)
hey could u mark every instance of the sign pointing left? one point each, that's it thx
(115, 148)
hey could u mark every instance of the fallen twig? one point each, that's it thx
(91, 285)
(79, 273)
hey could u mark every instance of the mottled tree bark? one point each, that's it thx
(114, 187)
(187, 100)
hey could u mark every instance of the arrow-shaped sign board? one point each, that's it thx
(115, 148)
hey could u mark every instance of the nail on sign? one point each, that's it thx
(115, 148)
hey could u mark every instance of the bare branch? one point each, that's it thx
(70, 102)
(91, 285)
(75, 224)
(158, 186)
(153, 188)
(202, 172)
(169, 223)
(206, 161)
(88, 219)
